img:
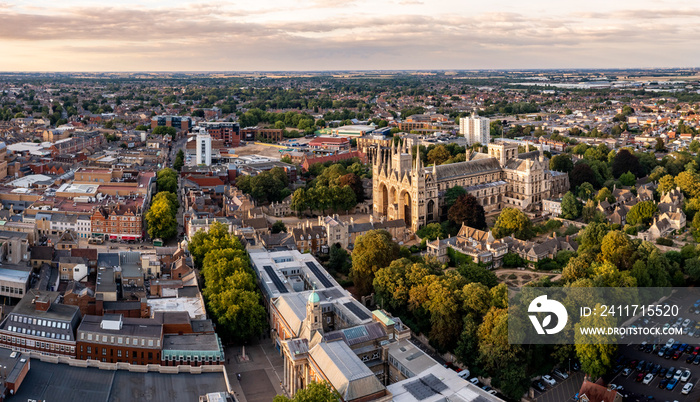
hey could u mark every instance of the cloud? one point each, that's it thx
(216, 36)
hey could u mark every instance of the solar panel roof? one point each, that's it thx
(361, 314)
(316, 271)
(275, 279)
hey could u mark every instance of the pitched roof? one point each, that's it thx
(348, 375)
(466, 168)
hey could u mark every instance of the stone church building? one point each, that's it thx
(405, 189)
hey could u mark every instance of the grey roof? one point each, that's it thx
(359, 334)
(57, 312)
(108, 260)
(64, 383)
(191, 342)
(460, 169)
(348, 375)
(146, 327)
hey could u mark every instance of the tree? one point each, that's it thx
(627, 179)
(373, 251)
(452, 194)
(666, 184)
(616, 248)
(314, 392)
(467, 210)
(570, 206)
(170, 198)
(657, 173)
(625, 161)
(604, 194)
(431, 232)
(595, 352)
(339, 259)
(513, 221)
(438, 155)
(160, 219)
(660, 146)
(163, 130)
(355, 184)
(577, 268)
(694, 146)
(476, 273)
(166, 180)
(300, 201)
(179, 160)
(561, 163)
(582, 173)
(278, 227)
(585, 191)
(217, 237)
(689, 183)
(641, 213)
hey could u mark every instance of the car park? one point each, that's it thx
(464, 374)
(647, 379)
(686, 322)
(687, 388)
(696, 361)
(549, 380)
(685, 376)
(689, 359)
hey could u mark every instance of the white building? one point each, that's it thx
(475, 129)
(203, 149)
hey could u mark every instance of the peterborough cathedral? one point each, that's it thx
(405, 189)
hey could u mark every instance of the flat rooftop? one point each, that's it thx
(64, 383)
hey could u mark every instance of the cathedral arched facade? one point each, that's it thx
(405, 189)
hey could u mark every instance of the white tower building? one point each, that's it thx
(475, 129)
(203, 148)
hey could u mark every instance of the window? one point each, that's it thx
(119, 353)
(89, 349)
(104, 351)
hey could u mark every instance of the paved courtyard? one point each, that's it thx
(261, 375)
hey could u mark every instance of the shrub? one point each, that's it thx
(664, 241)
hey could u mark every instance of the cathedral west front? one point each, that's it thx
(405, 189)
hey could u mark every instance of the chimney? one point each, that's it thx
(42, 303)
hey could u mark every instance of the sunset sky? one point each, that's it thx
(273, 35)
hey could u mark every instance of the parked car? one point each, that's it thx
(677, 354)
(669, 342)
(464, 374)
(648, 378)
(656, 369)
(678, 374)
(671, 371)
(687, 388)
(538, 386)
(662, 372)
(640, 377)
(626, 371)
(663, 383)
(662, 351)
(560, 374)
(671, 384)
(474, 381)
(686, 376)
(549, 380)
(696, 361)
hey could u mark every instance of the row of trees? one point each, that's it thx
(230, 288)
(162, 214)
(179, 161)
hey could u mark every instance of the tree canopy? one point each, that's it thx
(467, 210)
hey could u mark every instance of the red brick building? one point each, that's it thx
(117, 222)
(115, 339)
(228, 132)
(308, 161)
